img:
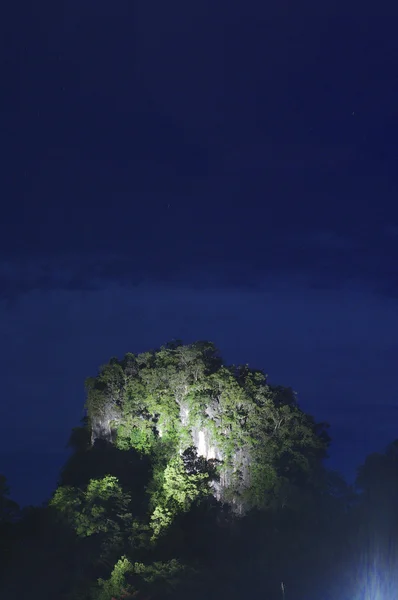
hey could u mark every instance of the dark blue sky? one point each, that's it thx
(225, 171)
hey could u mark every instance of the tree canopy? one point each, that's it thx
(162, 402)
(189, 478)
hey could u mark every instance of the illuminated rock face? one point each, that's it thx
(203, 447)
(236, 475)
(103, 427)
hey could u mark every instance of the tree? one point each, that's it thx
(163, 400)
(9, 509)
(9, 512)
(189, 478)
(102, 507)
(180, 489)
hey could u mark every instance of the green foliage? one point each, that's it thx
(107, 389)
(181, 487)
(158, 398)
(159, 404)
(162, 517)
(159, 570)
(177, 494)
(156, 576)
(140, 436)
(102, 507)
(116, 586)
(133, 504)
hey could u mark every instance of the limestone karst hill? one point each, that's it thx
(183, 396)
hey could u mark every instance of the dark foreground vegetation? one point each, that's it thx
(190, 479)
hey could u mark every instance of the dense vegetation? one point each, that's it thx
(190, 479)
(161, 403)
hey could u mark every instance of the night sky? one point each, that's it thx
(197, 170)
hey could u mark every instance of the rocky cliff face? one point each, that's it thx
(229, 414)
(234, 478)
(103, 427)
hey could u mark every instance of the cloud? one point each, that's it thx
(313, 256)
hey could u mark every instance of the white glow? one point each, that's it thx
(202, 444)
(203, 449)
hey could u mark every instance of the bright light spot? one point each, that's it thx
(202, 444)
(203, 448)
